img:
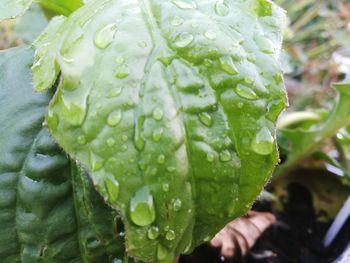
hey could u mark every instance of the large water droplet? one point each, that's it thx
(162, 252)
(264, 142)
(177, 204)
(245, 92)
(142, 210)
(210, 34)
(170, 235)
(112, 187)
(176, 21)
(205, 118)
(114, 118)
(153, 232)
(81, 140)
(185, 4)
(228, 66)
(157, 134)
(225, 156)
(104, 37)
(183, 40)
(221, 8)
(158, 114)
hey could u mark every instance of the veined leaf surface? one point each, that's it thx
(171, 105)
(49, 210)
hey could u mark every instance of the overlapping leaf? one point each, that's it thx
(14, 8)
(171, 105)
(49, 210)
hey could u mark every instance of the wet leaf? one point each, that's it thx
(171, 105)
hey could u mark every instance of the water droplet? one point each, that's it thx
(124, 148)
(157, 134)
(177, 204)
(81, 140)
(265, 45)
(158, 114)
(115, 92)
(112, 187)
(96, 162)
(176, 21)
(245, 92)
(154, 171)
(138, 139)
(162, 252)
(185, 4)
(114, 118)
(205, 118)
(264, 142)
(165, 187)
(110, 142)
(221, 8)
(142, 211)
(210, 34)
(120, 60)
(225, 156)
(142, 165)
(171, 169)
(122, 73)
(183, 40)
(73, 109)
(170, 235)
(67, 60)
(161, 159)
(228, 66)
(153, 232)
(142, 44)
(104, 37)
(210, 157)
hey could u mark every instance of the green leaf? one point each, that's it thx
(171, 105)
(31, 24)
(13, 8)
(60, 7)
(49, 211)
(304, 141)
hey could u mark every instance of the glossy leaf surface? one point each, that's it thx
(171, 105)
(49, 210)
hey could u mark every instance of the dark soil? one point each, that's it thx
(296, 237)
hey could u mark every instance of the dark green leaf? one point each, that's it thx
(49, 211)
(171, 105)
